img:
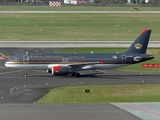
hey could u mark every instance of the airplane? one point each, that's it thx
(72, 63)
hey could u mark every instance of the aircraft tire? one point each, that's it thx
(25, 75)
(74, 73)
(78, 75)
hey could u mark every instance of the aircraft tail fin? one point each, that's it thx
(139, 46)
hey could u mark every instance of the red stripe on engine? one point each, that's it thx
(56, 68)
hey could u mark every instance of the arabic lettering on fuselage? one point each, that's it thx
(46, 57)
(54, 57)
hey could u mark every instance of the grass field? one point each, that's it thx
(131, 68)
(103, 94)
(77, 26)
(73, 8)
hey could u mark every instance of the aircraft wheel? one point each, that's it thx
(77, 75)
(74, 73)
(25, 75)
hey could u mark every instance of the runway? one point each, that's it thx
(18, 92)
(64, 112)
(71, 44)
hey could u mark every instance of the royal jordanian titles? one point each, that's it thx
(70, 63)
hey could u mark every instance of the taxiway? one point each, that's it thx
(71, 44)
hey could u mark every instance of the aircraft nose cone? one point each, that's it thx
(6, 64)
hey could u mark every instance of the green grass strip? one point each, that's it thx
(103, 94)
(73, 27)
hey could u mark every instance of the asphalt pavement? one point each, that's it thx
(64, 112)
(71, 44)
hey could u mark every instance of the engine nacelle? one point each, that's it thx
(59, 70)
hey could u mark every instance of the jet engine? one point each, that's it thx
(60, 70)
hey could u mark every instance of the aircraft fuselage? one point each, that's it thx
(95, 60)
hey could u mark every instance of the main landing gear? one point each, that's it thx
(76, 74)
(25, 73)
(73, 73)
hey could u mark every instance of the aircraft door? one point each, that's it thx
(123, 57)
(25, 59)
(64, 59)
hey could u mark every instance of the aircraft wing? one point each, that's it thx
(82, 64)
(85, 65)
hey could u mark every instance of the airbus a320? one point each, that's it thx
(70, 63)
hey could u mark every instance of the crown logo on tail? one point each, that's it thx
(138, 46)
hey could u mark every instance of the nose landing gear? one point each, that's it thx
(25, 73)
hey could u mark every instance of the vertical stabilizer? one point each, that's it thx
(139, 46)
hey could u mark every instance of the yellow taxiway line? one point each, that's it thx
(3, 67)
(11, 72)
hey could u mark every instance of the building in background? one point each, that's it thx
(89, 2)
(70, 2)
(138, 1)
(25, 0)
